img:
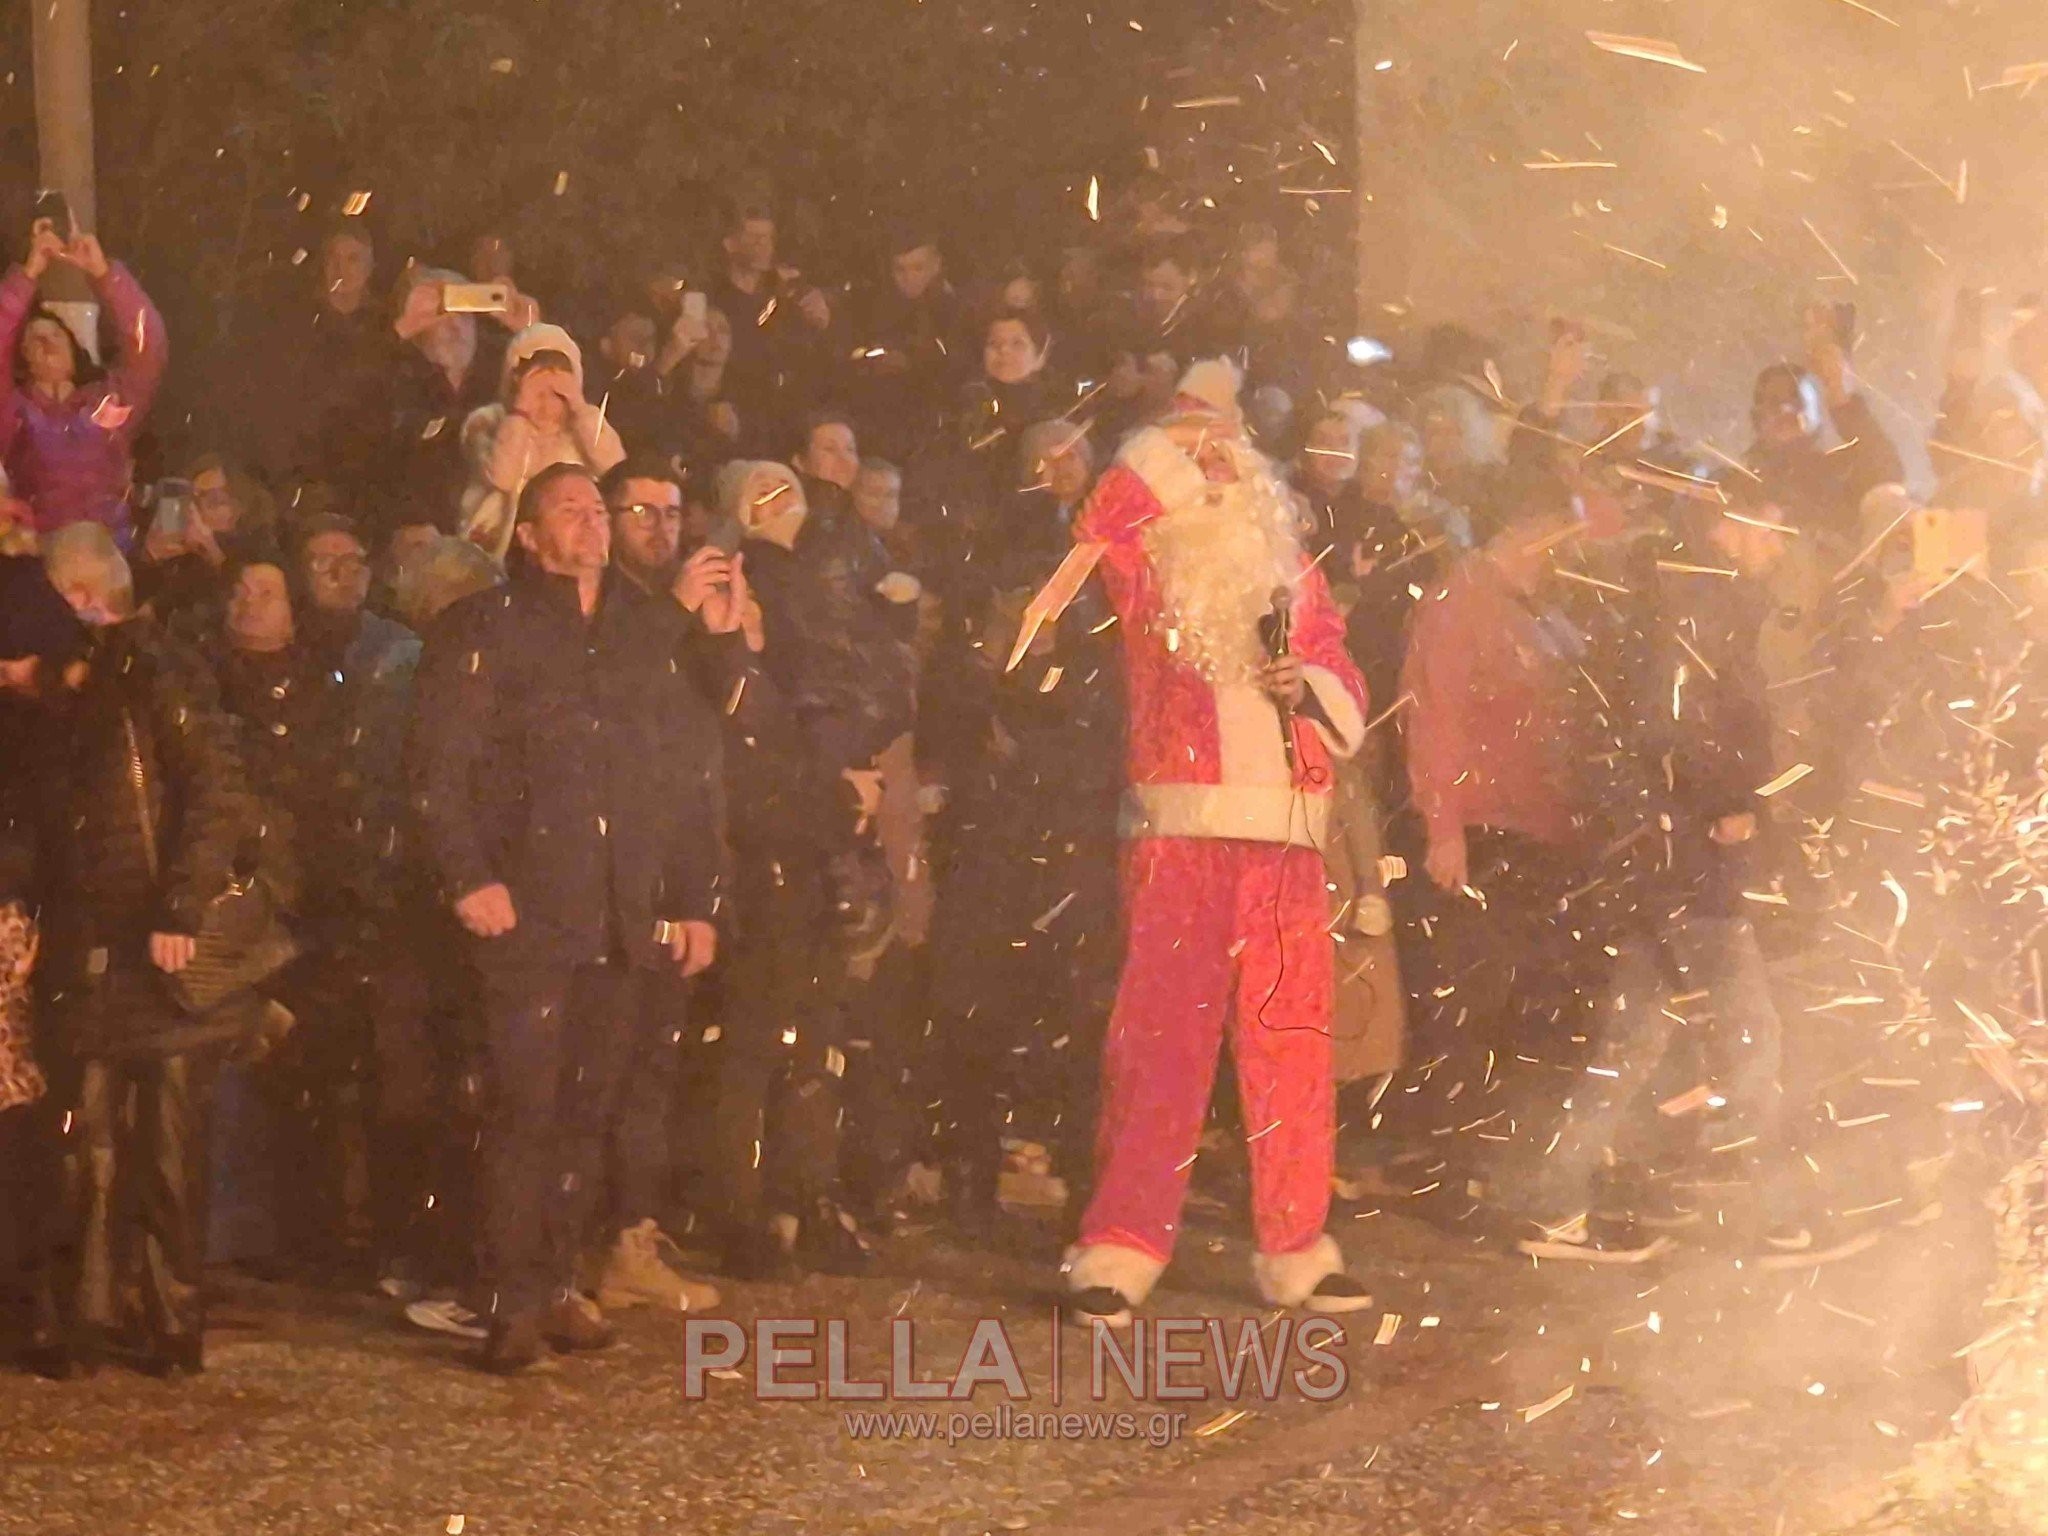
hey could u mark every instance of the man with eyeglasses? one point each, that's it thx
(362, 1063)
(759, 1095)
(367, 658)
(646, 502)
(645, 497)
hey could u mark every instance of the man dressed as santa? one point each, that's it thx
(1241, 697)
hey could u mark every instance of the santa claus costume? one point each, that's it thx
(1224, 820)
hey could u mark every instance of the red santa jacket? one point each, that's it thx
(1205, 759)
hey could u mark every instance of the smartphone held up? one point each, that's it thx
(476, 298)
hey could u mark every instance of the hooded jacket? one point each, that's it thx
(506, 450)
(70, 459)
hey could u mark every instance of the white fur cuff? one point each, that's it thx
(1287, 1279)
(1348, 735)
(1170, 475)
(1128, 1272)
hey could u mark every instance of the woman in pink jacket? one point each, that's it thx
(67, 427)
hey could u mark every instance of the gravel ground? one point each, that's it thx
(1704, 1398)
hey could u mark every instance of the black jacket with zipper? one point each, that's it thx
(1687, 708)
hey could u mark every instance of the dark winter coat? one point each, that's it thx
(1033, 759)
(572, 760)
(1822, 490)
(422, 468)
(144, 735)
(323, 731)
(1691, 720)
(358, 845)
(776, 354)
(902, 412)
(319, 413)
(840, 652)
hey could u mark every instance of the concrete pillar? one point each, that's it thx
(63, 70)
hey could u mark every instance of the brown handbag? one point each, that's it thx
(242, 939)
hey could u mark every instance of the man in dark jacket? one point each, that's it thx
(909, 340)
(317, 408)
(807, 711)
(1024, 939)
(782, 324)
(144, 812)
(1820, 488)
(702, 602)
(565, 776)
(1692, 725)
(439, 368)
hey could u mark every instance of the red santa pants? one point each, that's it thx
(1217, 927)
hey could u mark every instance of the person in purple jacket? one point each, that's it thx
(66, 426)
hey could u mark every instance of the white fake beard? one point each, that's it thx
(1219, 562)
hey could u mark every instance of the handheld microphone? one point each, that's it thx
(1279, 624)
(1276, 629)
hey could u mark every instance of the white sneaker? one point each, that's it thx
(1816, 1253)
(445, 1315)
(1581, 1241)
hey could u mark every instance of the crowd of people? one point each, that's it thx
(534, 823)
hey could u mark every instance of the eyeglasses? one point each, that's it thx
(338, 565)
(647, 513)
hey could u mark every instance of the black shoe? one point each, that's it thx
(515, 1344)
(50, 1350)
(1098, 1304)
(1337, 1294)
(830, 1241)
(1663, 1208)
(970, 1196)
(55, 1355)
(764, 1253)
(573, 1324)
(172, 1355)
(52, 1362)
(91, 1346)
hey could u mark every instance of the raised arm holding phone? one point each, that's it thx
(67, 431)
